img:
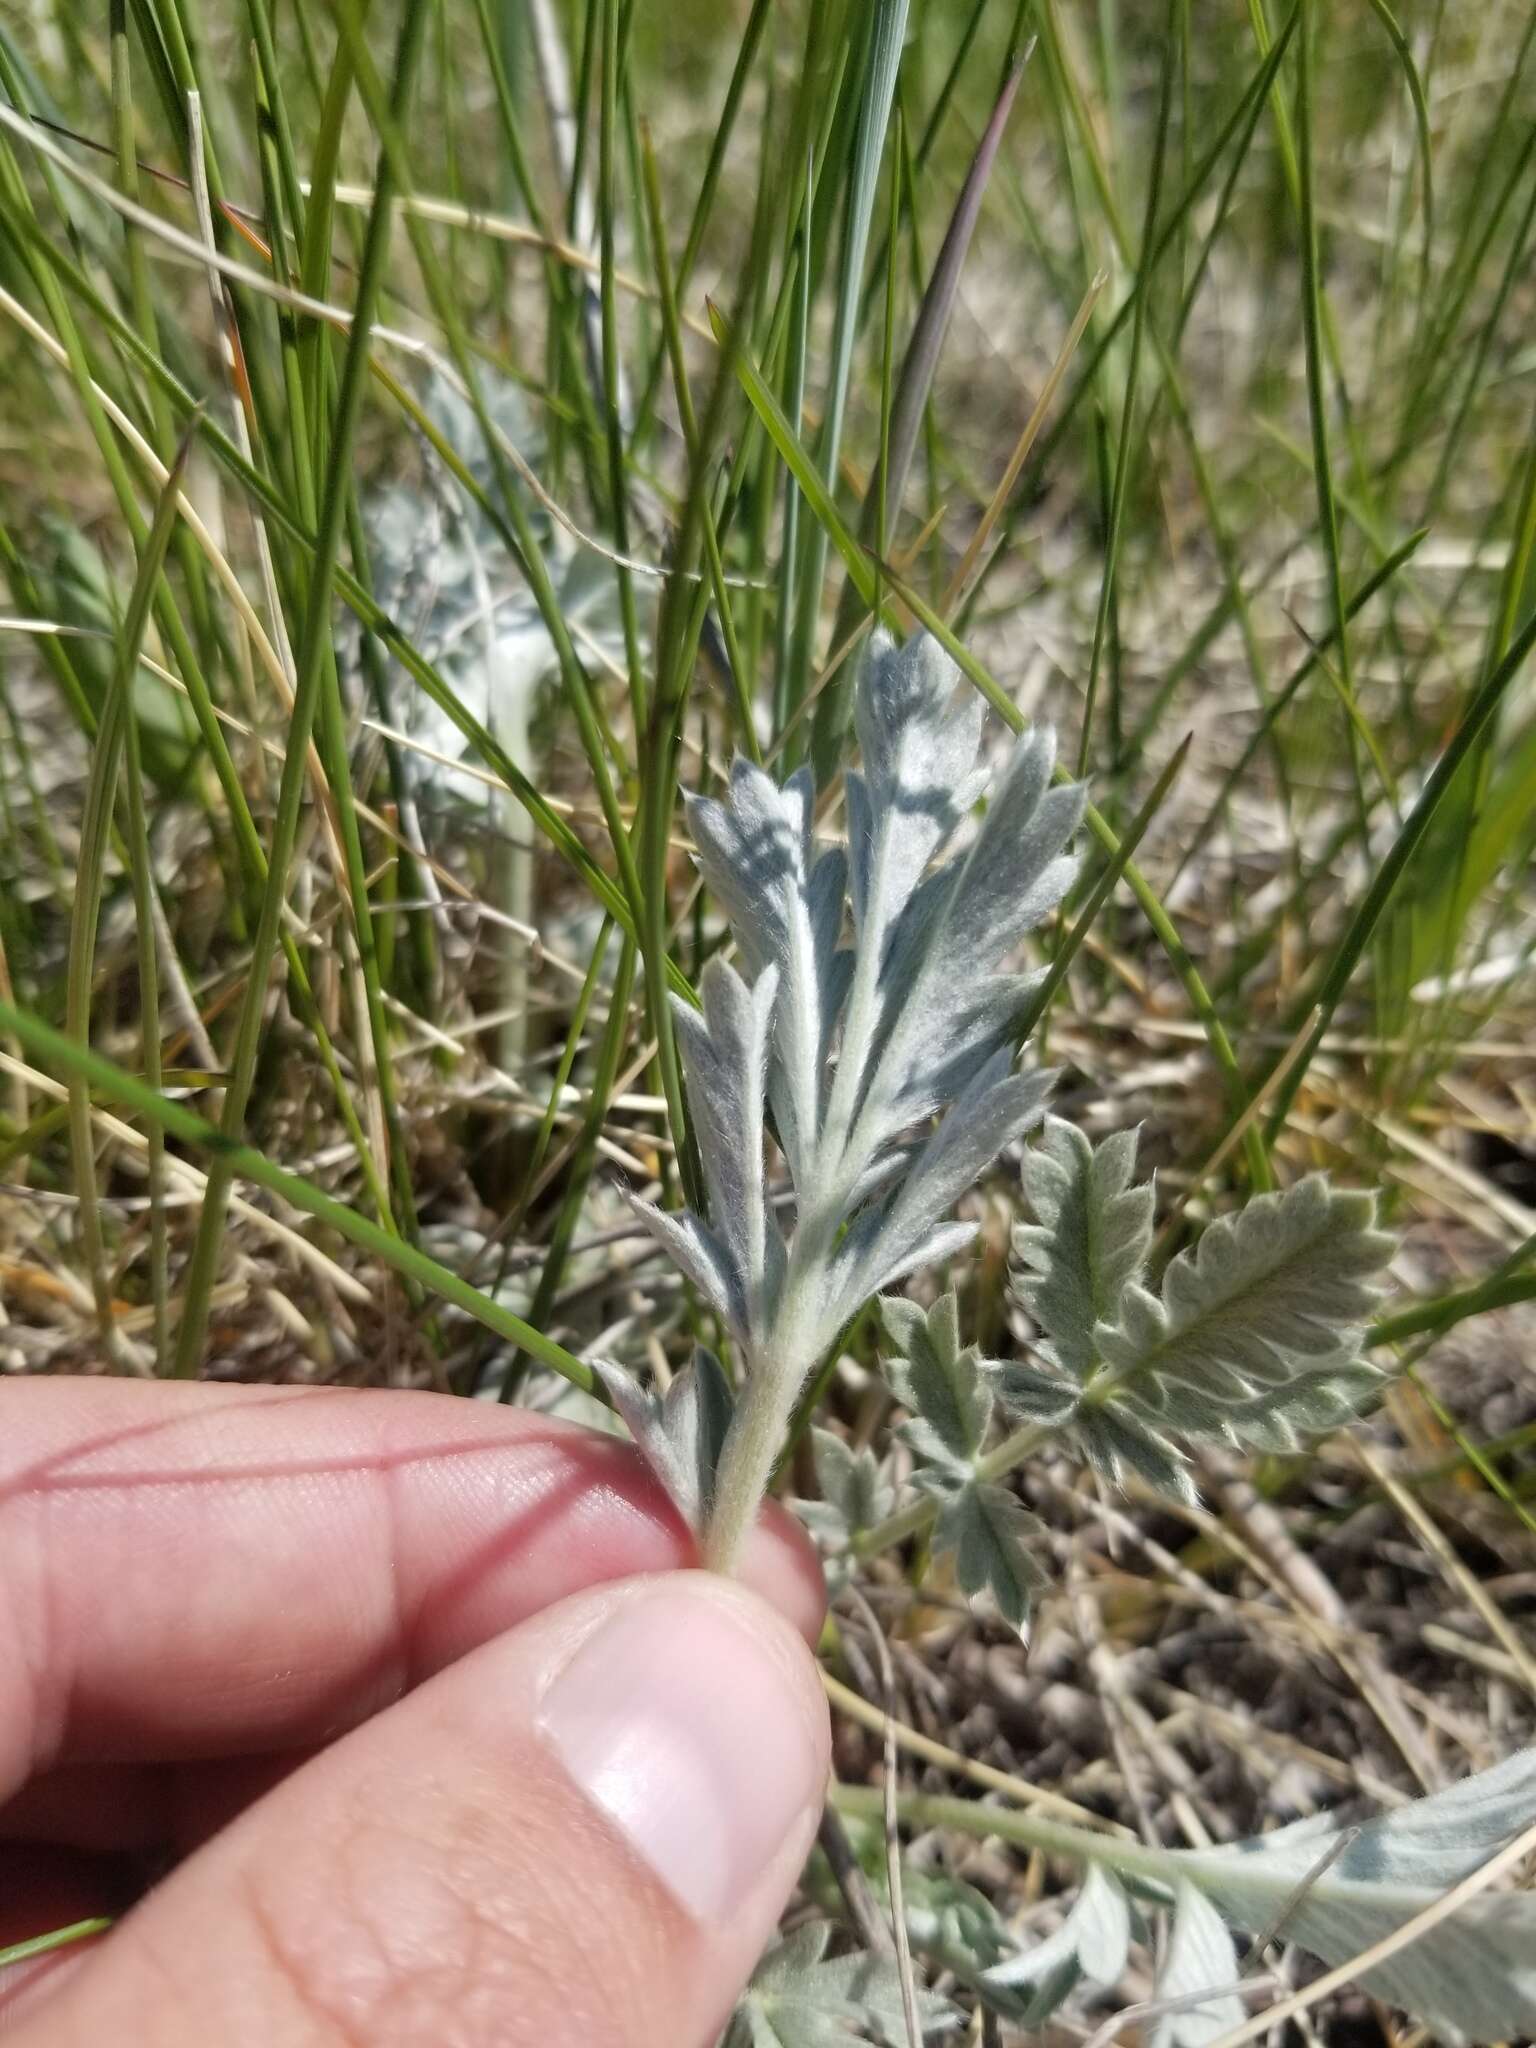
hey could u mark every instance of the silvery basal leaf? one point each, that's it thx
(801, 1998)
(1471, 1977)
(1200, 1957)
(1093, 1942)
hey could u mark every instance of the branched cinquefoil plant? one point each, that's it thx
(874, 1029)
(873, 1002)
(1253, 1338)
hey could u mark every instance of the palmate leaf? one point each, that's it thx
(1265, 1294)
(1254, 1339)
(989, 1532)
(1089, 1241)
(800, 1997)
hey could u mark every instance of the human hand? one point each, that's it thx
(440, 1741)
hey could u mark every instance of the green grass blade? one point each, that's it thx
(244, 1162)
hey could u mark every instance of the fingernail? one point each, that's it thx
(692, 1736)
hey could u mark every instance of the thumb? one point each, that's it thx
(581, 1833)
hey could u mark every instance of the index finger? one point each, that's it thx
(205, 1570)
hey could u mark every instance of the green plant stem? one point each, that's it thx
(1025, 1829)
(95, 832)
(55, 1938)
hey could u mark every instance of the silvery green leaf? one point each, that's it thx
(1313, 1404)
(1093, 1942)
(725, 1055)
(944, 1011)
(911, 1025)
(785, 904)
(1096, 1933)
(1263, 1297)
(1031, 1394)
(989, 1532)
(1471, 1977)
(973, 912)
(850, 1481)
(694, 1248)
(1200, 1957)
(918, 740)
(867, 1250)
(1115, 1442)
(679, 1436)
(944, 1044)
(935, 1378)
(1089, 1240)
(996, 1108)
(801, 1998)
(695, 1416)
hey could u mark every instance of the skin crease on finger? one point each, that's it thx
(153, 1536)
(453, 1872)
(178, 1521)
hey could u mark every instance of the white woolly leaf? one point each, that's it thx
(725, 1055)
(757, 856)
